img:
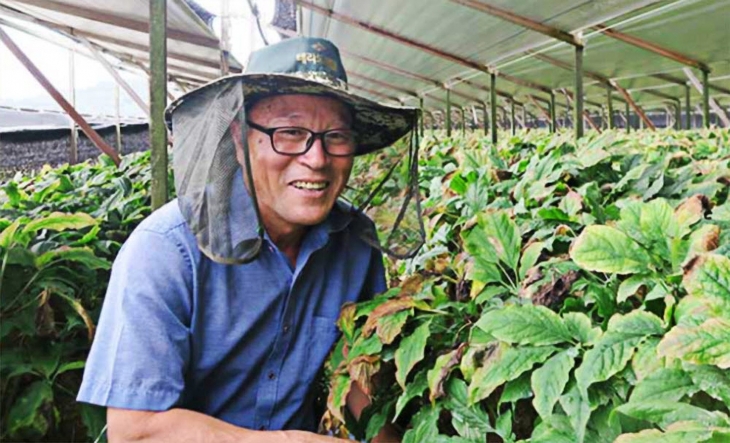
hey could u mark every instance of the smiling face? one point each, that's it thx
(299, 191)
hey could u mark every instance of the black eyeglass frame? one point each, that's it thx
(310, 142)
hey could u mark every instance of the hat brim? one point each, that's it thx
(377, 125)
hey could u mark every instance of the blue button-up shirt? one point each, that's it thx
(242, 343)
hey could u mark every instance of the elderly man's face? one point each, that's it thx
(299, 191)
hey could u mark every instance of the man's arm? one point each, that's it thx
(356, 402)
(181, 425)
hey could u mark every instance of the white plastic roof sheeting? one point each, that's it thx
(120, 28)
(699, 29)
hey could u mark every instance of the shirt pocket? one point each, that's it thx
(324, 334)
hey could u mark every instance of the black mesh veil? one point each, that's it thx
(219, 203)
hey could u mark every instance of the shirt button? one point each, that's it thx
(272, 376)
(286, 329)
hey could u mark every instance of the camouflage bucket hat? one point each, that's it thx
(213, 171)
(306, 65)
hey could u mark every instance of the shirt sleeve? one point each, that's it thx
(142, 344)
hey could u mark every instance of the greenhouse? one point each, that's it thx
(471, 221)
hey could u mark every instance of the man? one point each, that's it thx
(222, 305)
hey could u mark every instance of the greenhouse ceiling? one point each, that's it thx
(120, 28)
(407, 49)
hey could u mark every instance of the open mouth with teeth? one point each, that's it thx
(311, 186)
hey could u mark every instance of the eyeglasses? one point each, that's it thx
(295, 141)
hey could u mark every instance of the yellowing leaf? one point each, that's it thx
(708, 343)
(606, 249)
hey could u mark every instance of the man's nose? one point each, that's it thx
(316, 157)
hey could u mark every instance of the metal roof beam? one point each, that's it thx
(413, 43)
(376, 93)
(122, 22)
(653, 47)
(53, 92)
(680, 82)
(476, 85)
(74, 34)
(520, 20)
(568, 67)
(630, 101)
(660, 94)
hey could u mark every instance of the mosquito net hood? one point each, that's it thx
(216, 193)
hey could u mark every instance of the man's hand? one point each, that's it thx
(181, 425)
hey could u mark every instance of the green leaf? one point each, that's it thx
(557, 430)
(26, 416)
(94, 418)
(70, 366)
(58, 221)
(365, 346)
(580, 328)
(378, 420)
(628, 287)
(528, 324)
(712, 380)
(637, 322)
(413, 389)
(410, 352)
(507, 366)
(607, 358)
(657, 220)
(606, 249)
(470, 421)
(663, 413)
(7, 236)
(708, 343)
(425, 426)
(578, 410)
(549, 381)
(504, 236)
(646, 359)
(516, 389)
(529, 258)
(84, 256)
(666, 384)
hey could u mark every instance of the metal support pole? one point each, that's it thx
(578, 116)
(678, 115)
(628, 117)
(421, 120)
(486, 118)
(553, 121)
(118, 125)
(705, 99)
(463, 122)
(609, 103)
(512, 115)
(493, 103)
(448, 112)
(73, 151)
(687, 107)
(524, 117)
(158, 101)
